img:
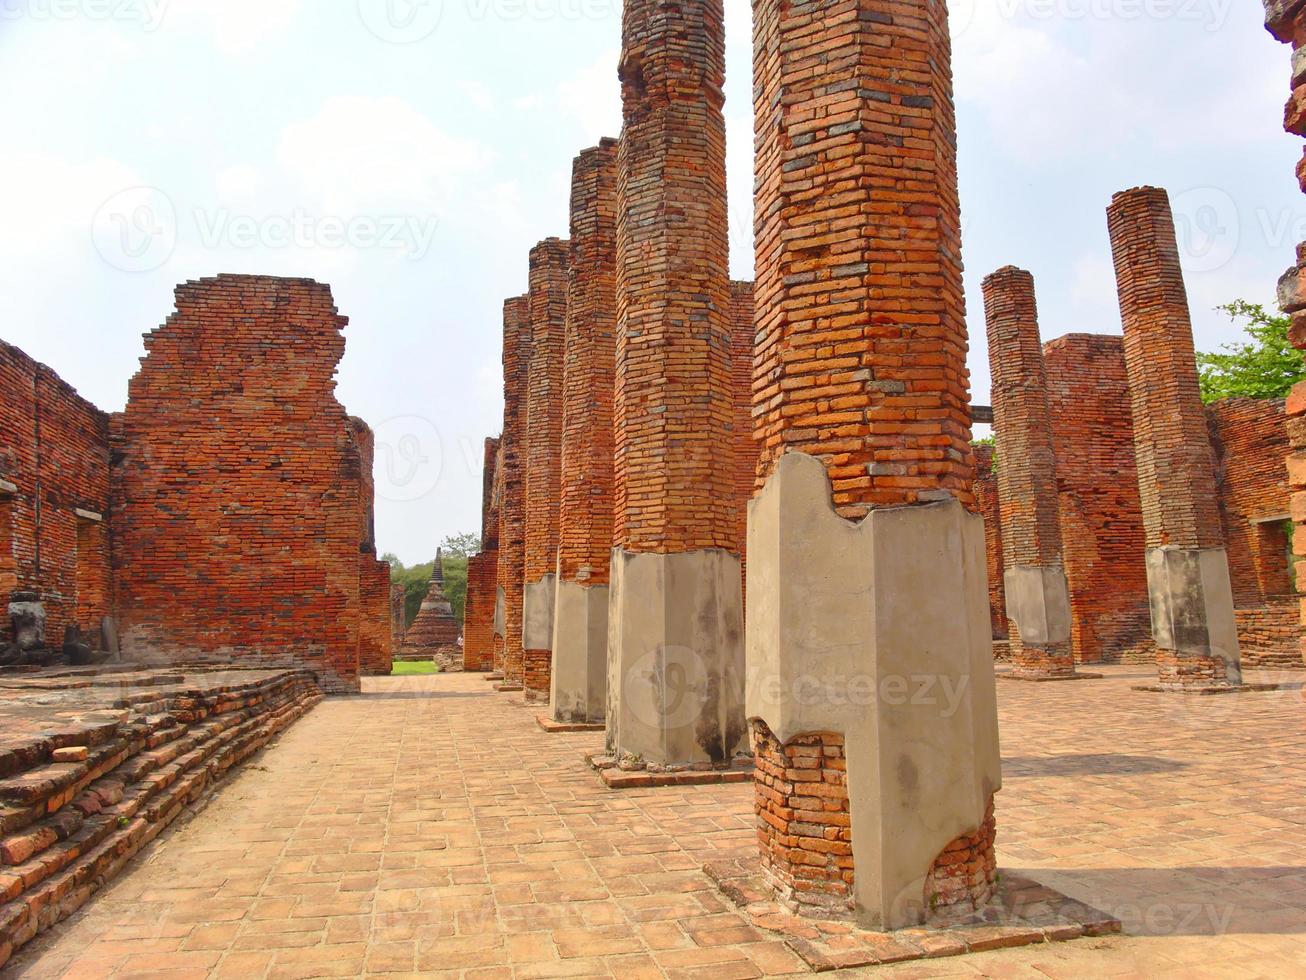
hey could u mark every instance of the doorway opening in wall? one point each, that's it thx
(1275, 562)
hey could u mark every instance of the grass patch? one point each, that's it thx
(414, 670)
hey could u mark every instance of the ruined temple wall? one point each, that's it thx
(742, 336)
(376, 630)
(398, 616)
(1250, 439)
(1097, 483)
(54, 462)
(237, 500)
(517, 343)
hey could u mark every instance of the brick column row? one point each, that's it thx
(548, 323)
(585, 514)
(1037, 593)
(1188, 569)
(482, 575)
(517, 343)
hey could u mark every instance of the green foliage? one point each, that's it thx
(415, 581)
(455, 583)
(1266, 366)
(462, 545)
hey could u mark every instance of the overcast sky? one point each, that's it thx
(410, 153)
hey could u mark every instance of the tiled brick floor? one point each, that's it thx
(431, 828)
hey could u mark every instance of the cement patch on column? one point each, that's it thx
(500, 613)
(1192, 610)
(879, 632)
(537, 613)
(676, 661)
(580, 657)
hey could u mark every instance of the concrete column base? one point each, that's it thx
(676, 660)
(580, 654)
(1193, 618)
(1038, 605)
(870, 652)
(538, 602)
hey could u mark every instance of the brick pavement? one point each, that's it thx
(466, 843)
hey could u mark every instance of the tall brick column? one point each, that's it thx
(580, 628)
(517, 343)
(548, 312)
(1286, 20)
(866, 562)
(742, 337)
(676, 630)
(482, 575)
(1037, 593)
(1187, 566)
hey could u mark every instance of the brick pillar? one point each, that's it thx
(1037, 594)
(1187, 567)
(580, 637)
(482, 575)
(675, 691)
(517, 342)
(742, 336)
(1286, 20)
(865, 559)
(375, 643)
(548, 313)
(398, 616)
(988, 507)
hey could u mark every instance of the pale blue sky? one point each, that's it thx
(296, 137)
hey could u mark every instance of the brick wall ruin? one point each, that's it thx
(987, 503)
(238, 494)
(375, 633)
(1097, 490)
(742, 337)
(54, 496)
(483, 573)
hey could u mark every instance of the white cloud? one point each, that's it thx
(359, 154)
(592, 98)
(236, 27)
(239, 182)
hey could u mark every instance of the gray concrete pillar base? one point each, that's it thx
(538, 601)
(879, 632)
(580, 653)
(676, 659)
(1193, 617)
(1038, 605)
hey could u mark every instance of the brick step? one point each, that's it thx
(70, 872)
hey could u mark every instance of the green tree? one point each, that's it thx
(1265, 366)
(464, 545)
(415, 582)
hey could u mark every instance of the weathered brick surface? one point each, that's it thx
(585, 513)
(478, 615)
(238, 497)
(1176, 470)
(1286, 20)
(1250, 440)
(1097, 480)
(989, 507)
(862, 342)
(742, 336)
(860, 331)
(1027, 482)
(673, 404)
(375, 643)
(398, 616)
(512, 510)
(54, 448)
(964, 875)
(549, 281)
(804, 825)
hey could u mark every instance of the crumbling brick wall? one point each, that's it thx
(517, 341)
(673, 405)
(1097, 482)
(585, 513)
(742, 336)
(398, 616)
(54, 497)
(238, 490)
(986, 501)
(375, 652)
(549, 262)
(1250, 440)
